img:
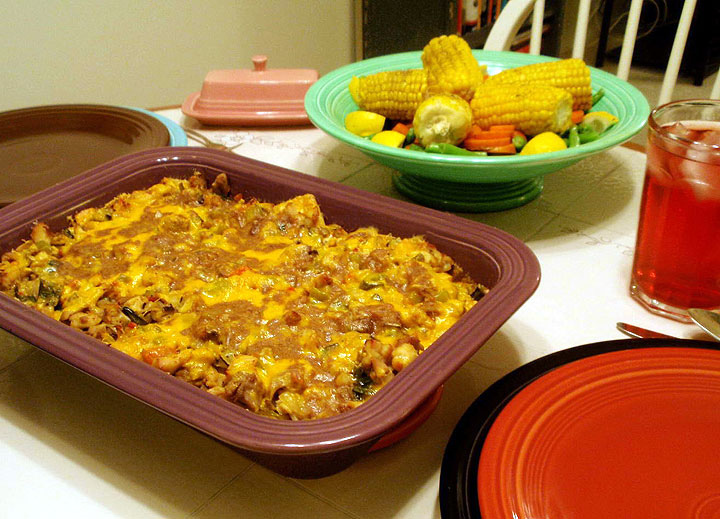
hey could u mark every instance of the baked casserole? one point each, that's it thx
(265, 305)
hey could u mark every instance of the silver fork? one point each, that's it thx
(199, 137)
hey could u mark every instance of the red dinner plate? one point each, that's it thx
(619, 429)
(632, 433)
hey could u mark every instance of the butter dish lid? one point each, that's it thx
(252, 97)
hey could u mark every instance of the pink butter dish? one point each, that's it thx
(257, 97)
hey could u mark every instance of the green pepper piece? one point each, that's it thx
(49, 292)
(573, 137)
(363, 387)
(318, 295)
(415, 298)
(133, 316)
(442, 296)
(372, 281)
(479, 292)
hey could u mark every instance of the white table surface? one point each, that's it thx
(72, 447)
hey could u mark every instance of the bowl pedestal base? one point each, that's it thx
(468, 197)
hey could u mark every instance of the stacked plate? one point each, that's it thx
(44, 145)
(624, 428)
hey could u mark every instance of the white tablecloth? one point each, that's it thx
(72, 447)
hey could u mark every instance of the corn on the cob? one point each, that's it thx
(572, 75)
(442, 118)
(396, 94)
(532, 109)
(451, 68)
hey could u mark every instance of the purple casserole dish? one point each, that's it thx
(304, 449)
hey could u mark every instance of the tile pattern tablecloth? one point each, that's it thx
(70, 446)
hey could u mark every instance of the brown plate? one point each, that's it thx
(43, 145)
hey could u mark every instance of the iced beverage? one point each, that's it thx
(677, 254)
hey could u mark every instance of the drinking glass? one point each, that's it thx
(677, 253)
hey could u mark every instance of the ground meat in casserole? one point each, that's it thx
(262, 304)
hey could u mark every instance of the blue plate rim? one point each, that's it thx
(177, 134)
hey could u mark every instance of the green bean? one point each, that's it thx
(588, 136)
(573, 137)
(519, 141)
(415, 147)
(410, 137)
(448, 149)
(597, 96)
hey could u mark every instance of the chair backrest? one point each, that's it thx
(516, 12)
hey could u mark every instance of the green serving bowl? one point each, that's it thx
(470, 184)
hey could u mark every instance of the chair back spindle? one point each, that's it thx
(516, 12)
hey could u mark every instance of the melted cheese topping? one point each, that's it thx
(262, 304)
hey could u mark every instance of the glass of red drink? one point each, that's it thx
(677, 254)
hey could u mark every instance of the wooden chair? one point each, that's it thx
(516, 12)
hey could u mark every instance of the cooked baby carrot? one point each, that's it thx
(493, 134)
(577, 116)
(507, 149)
(401, 128)
(485, 144)
(474, 131)
(502, 128)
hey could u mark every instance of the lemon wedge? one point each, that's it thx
(544, 143)
(389, 138)
(364, 123)
(599, 121)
